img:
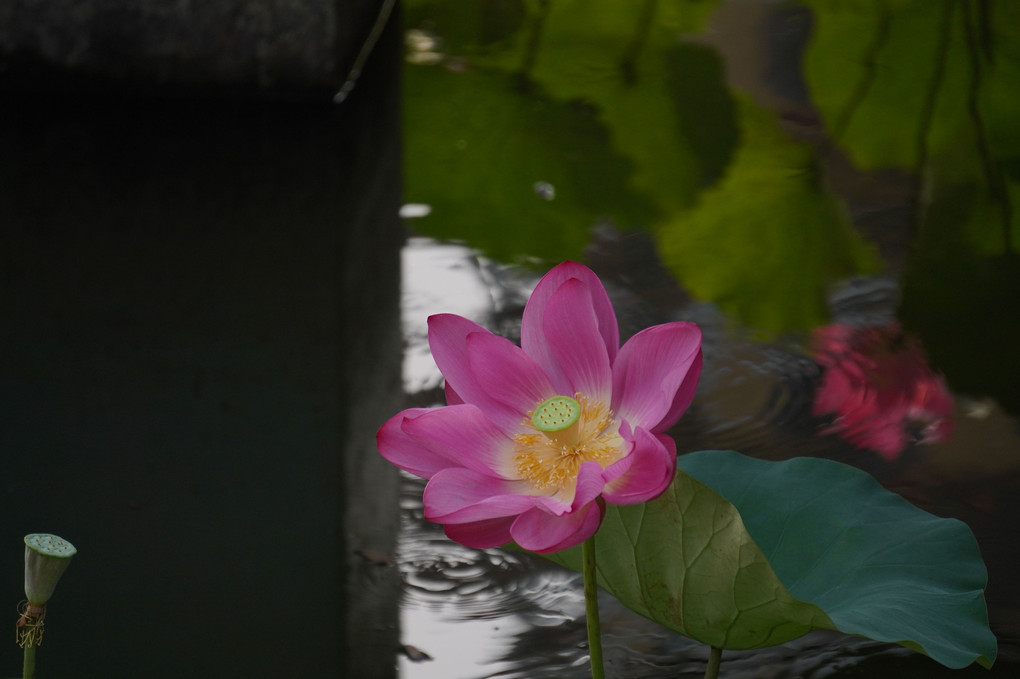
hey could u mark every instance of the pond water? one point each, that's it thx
(822, 187)
(492, 613)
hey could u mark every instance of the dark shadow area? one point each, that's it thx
(200, 334)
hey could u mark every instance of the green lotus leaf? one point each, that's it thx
(686, 561)
(744, 553)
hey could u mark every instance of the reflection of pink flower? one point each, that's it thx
(536, 437)
(878, 385)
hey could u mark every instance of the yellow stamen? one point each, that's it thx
(550, 458)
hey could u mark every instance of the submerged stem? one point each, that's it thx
(714, 658)
(591, 608)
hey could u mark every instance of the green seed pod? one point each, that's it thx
(559, 418)
(556, 414)
(46, 559)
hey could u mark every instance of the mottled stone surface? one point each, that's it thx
(263, 47)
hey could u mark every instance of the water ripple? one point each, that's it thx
(483, 614)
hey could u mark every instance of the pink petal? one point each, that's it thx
(656, 373)
(589, 485)
(458, 357)
(481, 534)
(465, 437)
(510, 376)
(684, 396)
(644, 474)
(406, 452)
(459, 495)
(590, 482)
(573, 344)
(452, 397)
(533, 324)
(538, 531)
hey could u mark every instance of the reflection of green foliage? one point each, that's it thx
(766, 242)
(876, 69)
(924, 85)
(962, 287)
(931, 87)
(629, 122)
(485, 149)
(603, 102)
(474, 27)
(806, 544)
(664, 101)
(899, 81)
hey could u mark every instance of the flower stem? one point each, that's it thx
(714, 658)
(28, 666)
(591, 608)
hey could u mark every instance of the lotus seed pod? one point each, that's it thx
(556, 414)
(559, 418)
(46, 559)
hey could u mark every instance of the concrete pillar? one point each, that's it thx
(268, 48)
(199, 335)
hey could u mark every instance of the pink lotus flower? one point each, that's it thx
(878, 385)
(535, 438)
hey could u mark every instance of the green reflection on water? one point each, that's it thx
(932, 90)
(529, 121)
